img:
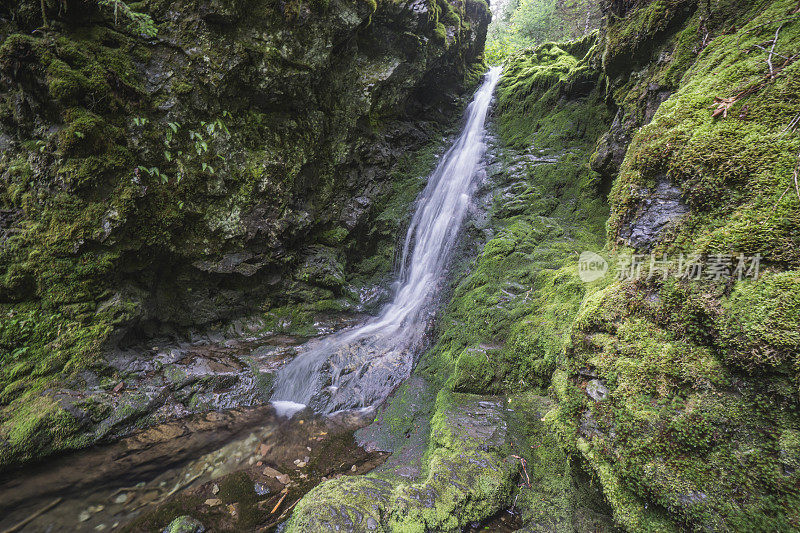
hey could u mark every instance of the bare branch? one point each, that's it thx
(772, 51)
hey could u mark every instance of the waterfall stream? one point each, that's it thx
(357, 368)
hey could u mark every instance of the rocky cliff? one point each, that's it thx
(172, 167)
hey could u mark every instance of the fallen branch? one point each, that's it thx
(34, 516)
(722, 105)
(285, 511)
(772, 51)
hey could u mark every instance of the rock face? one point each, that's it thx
(658, 208)
(469, 475)
(249, 156)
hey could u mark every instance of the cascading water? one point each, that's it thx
(359, 367)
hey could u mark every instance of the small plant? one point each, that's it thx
(200, 158)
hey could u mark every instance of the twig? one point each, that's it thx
(522, 462)
(792, 125)
(772, 51)
(181, 486)
(130, 489)
(722, 105)
(774, 207)
(796, 170)
(279, 503)
(31, 518)
(288, 509)
(764, 49)
(767, 23)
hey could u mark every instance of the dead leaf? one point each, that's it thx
(722, 106)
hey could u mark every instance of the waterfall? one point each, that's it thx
(359, 367)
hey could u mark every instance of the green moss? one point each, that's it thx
(466, 477)
(39, 427)
(760, 326)
(630, 39)
(719, 162)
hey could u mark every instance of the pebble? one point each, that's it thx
(353, 468)
(84, 516)
(271, 472)
(215, 489)
(99, 527)
(122, 498)
(212, 502)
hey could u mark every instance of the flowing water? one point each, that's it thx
(357, 368)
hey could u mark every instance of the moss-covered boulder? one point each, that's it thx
(468, 474)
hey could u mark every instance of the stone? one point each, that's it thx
(596, 390)
(656, 211)
(185, 524)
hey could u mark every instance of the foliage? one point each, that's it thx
(526, 23)
(140, 23)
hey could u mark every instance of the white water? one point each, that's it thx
(359, 367)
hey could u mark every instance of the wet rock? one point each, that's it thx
(612, 146)
(692, 498)
(322, 266)
(588, 425)
(245, 263)
(469, 476)
(656, 211)
(596, 390)
(185, 524)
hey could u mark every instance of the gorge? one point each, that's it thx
(320, 266)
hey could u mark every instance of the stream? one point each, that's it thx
(325, 389)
